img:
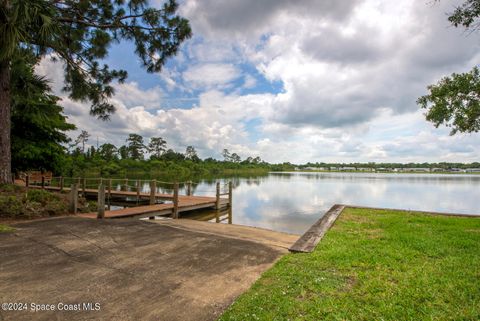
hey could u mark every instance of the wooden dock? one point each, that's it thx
(171, 204)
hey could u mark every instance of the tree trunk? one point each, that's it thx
(5, 151)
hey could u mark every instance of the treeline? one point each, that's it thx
(139, 157)
(441, 165)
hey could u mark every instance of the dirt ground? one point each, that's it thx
(125, 270)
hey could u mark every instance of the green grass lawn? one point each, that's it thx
(375, 265)
(5, 228)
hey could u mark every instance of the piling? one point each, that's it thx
(217, 203)
(138, 191)
(73, 199)
(230, 199)
(175, 200)
(153, 190)
(189, 188)
(101, 201)
(217, 196)
(109, 193)
(43, 182)
(61, 183)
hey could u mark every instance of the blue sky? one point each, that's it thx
(294, 81)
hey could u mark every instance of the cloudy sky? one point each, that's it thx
(298, 81)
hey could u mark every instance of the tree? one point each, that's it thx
(108, 151)
(455, 100)
(157, 146)
(226, 155)
(123, 152)
(79, 33)
(191, 154)
(235, 158)
(136, 148)
(38, 126)
(82, 139)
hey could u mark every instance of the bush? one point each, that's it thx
(11, 206)
(42, 196)
(17, 203)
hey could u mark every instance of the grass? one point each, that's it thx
(375, 265)
(5, 228)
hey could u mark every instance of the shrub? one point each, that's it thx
(11, 206)
(41, 196)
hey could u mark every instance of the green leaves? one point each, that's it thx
(455, 102)
(38, 125)
(466, 15)
(81, 33)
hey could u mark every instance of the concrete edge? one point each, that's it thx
(309, 240)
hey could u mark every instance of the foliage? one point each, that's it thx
(80, 33)
(375, 265)
(18, 203)
(157, 146)
(38, 125)
(455, 102)
(136, 147)
(466, 15)
(82, 139)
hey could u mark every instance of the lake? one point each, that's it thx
(291, 202)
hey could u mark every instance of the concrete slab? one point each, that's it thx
(280, 240)
(134, 270)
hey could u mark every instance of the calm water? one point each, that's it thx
(291, 202)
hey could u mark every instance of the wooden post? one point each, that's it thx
(84, 187)
(109, 193)
(73, 199)
(153, 190)
(13, 178)
(175, 200)
(61, 183)
(189, 188)
(217, 197)
(43, 182)
(101, 201)
(138, 191)
(125, 185)
(217, 204)
(230, 199)
(27, 180)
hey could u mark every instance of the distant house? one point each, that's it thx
(472, 170)
(383, 169)
(417, 169)
(334, 168)
(365, 169)
(347, 168)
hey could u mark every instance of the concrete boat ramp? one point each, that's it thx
(131, 269)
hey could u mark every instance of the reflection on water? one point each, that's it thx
(291, 202)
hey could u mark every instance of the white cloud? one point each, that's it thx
(211, 75)
(350, 73)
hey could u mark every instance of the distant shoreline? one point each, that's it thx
(378, 172)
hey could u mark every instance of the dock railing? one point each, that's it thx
(104, 187)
